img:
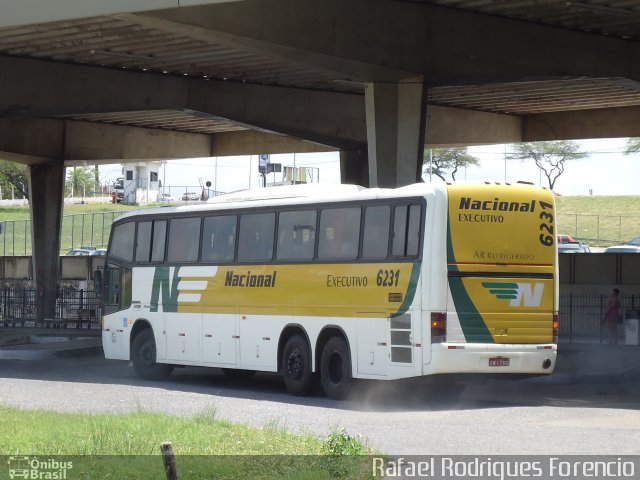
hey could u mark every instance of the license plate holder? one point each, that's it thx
(499, 362)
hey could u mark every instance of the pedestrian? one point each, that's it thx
(611, 314)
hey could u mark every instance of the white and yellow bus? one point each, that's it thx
(336, 283)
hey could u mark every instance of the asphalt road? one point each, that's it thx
(596, 415)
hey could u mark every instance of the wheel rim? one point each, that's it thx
(148, 354)
(295, 365)
(334, 368)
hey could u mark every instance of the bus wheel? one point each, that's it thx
(335, 368)
(237, 373)
(143, 357)
(296, 366)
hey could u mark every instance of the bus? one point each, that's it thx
(335, 283)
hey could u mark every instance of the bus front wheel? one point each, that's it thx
(143, 357)
(335, 368)
(296, 366)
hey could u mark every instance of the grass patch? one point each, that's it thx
(128, 446)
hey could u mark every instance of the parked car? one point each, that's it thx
(165, 197)
(99, 252)
(190, 196)
(575, 247)
(632, 246)
(565, 239)
(78, 252)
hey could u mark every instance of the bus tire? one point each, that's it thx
(237, 373)
(335, 368)
(143, 357)
(296, 366)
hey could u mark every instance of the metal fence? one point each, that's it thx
(599, 229)
(582, 315)
(74, 309)
(77, 230)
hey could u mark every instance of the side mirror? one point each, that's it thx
(97, 282)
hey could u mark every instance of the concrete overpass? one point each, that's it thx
(95, 81)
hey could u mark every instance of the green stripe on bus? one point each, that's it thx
(471, 322)
(411, 290)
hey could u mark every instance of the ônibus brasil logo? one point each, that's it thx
(529, 294)
(35, 468)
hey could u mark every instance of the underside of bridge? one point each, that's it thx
(374, 79)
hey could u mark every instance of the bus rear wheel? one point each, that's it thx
(143, 357)
(335, 368)
(296, 366)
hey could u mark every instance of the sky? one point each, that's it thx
(606, 170)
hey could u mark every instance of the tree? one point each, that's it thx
(447, 160)
(79, 180)
(550, 157)
(633, 146)
(13, 175)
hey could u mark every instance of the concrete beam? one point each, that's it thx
(395, 131)
(252, 142)
(28, 12)
(581, 124)
(450, 127)
(46, 188)
(34, 141)
(34, 88)
(381, 40)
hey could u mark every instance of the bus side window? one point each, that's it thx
(159, 240)
(296, 235)
(256, 237)
(184, 239)
(406, 231)
(375, 241)
(122, 241)
(219, 238)
(340, 232)
(143, 241)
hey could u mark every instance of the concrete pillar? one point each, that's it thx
(396, 122)
(354, 167)
(46, 195)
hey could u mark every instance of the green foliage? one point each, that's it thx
(13, 175)
(550, 157)
(80, 181)
(127, 446)
(633, 146)
(443, 161)
(343, 455)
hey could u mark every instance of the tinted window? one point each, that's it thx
(184, 237)
(339, 233)
(256, 237)
(219, 239)
(159, 239)
(296, 235)
(375, 242)
(406, 231)
(143, 242)
(122, 242)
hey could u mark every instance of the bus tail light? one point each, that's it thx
(556, 323)
(438, 327)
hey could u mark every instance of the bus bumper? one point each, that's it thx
(491, 358)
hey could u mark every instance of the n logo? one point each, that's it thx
(518, 293)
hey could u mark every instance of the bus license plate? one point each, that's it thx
(499, 362)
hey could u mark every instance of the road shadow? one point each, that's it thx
(433, 393)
